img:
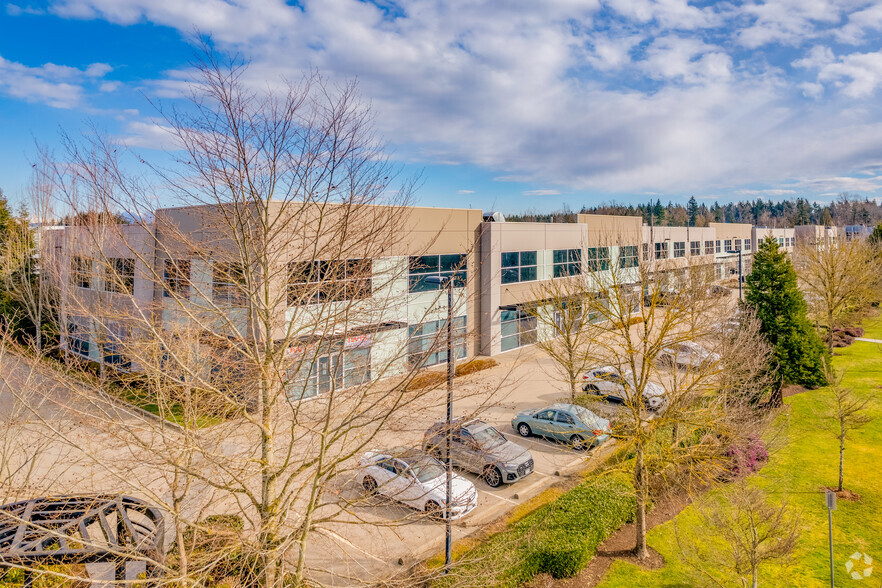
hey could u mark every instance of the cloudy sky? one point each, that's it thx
(504, 104)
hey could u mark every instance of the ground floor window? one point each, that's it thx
(113, 347)
(78, 339)
(316, 373)
(518, 329)
(427, 342)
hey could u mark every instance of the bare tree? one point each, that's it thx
(742, 532)
(840, 279)
(245, 313)
(560, 316)
(848, 413)
(26, 259)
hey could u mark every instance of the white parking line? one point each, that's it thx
(498, 496)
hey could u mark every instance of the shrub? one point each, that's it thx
(747, 457)
(475, 365)
(559, 538)
(634, 320)
(426, 379)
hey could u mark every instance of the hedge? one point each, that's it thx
(559, 538)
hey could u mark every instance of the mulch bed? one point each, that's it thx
(844, 494)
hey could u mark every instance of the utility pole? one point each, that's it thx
(831, 506)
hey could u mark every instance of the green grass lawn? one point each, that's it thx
(805, 460)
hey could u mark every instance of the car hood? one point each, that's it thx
(460, 487)
(509, 452)
(652, 389)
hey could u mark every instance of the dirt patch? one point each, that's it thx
(844, 494)
(793, 390)
(620, 546)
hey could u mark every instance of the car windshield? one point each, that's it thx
(487, 437)
(425, 468)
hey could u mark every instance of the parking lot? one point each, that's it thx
(380, 532)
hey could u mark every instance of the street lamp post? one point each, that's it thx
(448, 535)
(740, 279)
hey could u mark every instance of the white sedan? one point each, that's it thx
(615, 387)
(416, 479)
(689, 355)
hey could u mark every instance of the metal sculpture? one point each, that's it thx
(81, 530)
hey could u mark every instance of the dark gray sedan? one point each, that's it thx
(477, 447)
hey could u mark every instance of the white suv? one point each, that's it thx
(609, 383)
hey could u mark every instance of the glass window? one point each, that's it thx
(628, 255)
(113, 347)
(728, 244)
(679, 248)
(747, 244)
(427, 342)
(228, 283)
(518, 329)
(598, 258)
(646, 252)
(563, 417)
(119, 275)
(518, 266)
(78, 339)
(176, 278)
(708, 247)
(661, 250)
(310, 282)
(453, 266)
(695, 248)
(737, 244)
(82, 272)
(545, 415)
(567, 262)
(718, 246)
(315, 372)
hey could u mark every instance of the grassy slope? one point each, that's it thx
(806, 460)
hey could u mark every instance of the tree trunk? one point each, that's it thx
(640, 550)
(830, 333)
(841, 459)
(755, 582)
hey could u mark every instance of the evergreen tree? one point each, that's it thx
(659, 212)
(780, 306)
(802, 216)
(692, 211)
(876, 236)
(5, 217)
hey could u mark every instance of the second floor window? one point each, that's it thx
(719, 249)
(228, 283)
(119, 275)
(737, 244)
(453, 266)
(680, 249)
(628, 255)
(728, 244)
(518, 266)
(82, 272)
(747, 244)
(598, 258)
(661, 250)
(567, 262)
(329, 281)
(708, 247)
(646, 252)
(176, 278)
(695, 248)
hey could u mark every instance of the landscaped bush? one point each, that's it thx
(427, 379)
(476, 365)
(634, 320)
(559, 538)
(747, 457)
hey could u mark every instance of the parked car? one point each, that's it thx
(416, 479)
(717, 290)
(688, 355)
(613, 386)
(570, 423)
(477, 447)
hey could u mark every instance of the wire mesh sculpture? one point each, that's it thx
(81, 530)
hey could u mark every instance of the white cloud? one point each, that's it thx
(541, 192)
(148, 134)
(465, 191)
(686, 60)
(58, 86)
(787, 22)
(857, 75)
(770, 192)
(868, 19)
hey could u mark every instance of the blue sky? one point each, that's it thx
(502, 105)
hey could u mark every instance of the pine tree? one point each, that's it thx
(659, 212)
(876, 236)
(780, 306)
(692, 210)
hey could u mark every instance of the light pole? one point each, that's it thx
(448, 536)
(740, 279)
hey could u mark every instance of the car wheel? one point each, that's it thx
(492, 476)
(433, 509)
(577, 443)
(524, 430)
(370, 485)
(591, 388)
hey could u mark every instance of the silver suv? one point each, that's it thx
(477, 447)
